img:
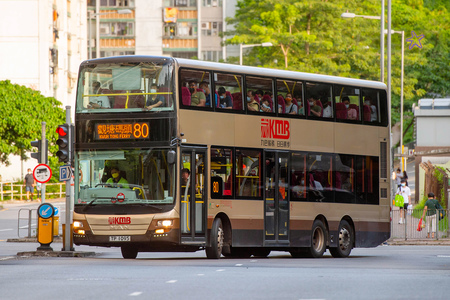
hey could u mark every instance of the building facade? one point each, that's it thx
(178, 28)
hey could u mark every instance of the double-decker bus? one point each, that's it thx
(185, 155)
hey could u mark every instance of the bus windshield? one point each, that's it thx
(123, 177)
(115, 87)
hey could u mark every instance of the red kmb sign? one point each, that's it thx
(275, 129)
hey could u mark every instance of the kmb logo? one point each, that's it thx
(275, 129)
(119, 220)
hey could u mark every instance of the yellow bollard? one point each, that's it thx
(56, 226)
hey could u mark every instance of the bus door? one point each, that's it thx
(276, 199)
(193, 195)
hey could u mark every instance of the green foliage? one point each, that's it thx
(23, 111)
(310, 36)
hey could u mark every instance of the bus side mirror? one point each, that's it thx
(171, 157)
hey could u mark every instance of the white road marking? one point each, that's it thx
(135, 294)
(443, 256)
(6, 229)
(171, 281)
(238, 265)
(220, 270)
(254, 260)
(6, 258)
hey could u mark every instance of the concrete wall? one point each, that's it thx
(149, 26)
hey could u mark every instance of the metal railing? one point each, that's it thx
(27, 222)
(408, 228)
(10, 190)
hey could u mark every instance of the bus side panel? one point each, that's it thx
(371, 234)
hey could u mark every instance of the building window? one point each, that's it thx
(113, 3)
(211, 28)
(212, 3)
(117, 29)
(212, 55)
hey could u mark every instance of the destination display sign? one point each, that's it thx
(122, 131)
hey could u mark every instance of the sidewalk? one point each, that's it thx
(419, 242)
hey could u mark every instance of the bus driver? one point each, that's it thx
(117, 180)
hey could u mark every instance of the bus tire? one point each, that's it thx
(318, 240)
(345, 242)
(129, 252)
(217, 237)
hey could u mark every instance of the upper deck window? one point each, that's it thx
(122, 86)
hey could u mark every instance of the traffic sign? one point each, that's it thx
(56, 211)
(46, 211)
(42, 173)
(64, 173)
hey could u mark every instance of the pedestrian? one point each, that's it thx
(405, 176)
(38, 191)
(430, 210)
(398, 177)
(406, 194)
(29, 184)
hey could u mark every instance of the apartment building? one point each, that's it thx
(178, 28)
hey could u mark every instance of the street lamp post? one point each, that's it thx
(242, 46)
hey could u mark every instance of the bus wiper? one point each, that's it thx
(89, 204)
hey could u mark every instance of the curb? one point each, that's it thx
(56, 254)
(56, 239)
(411, 242)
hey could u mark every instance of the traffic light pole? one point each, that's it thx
(43, 157)
(69, 193)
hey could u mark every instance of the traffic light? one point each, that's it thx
(63, 143)
(37, 155)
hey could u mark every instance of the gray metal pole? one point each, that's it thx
(401, 102)
(67, 233)
(391, 162)
(43, 155)
(240, 54)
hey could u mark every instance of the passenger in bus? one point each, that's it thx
(224, 100)
(205, 87)
(373, 108)
(198, 98)
(315, 109)
(327, 111)
(259, 93)
(185, 176)
(98, 101)
(155, 100)
(351, 112)
(117, 180)
(290, 108)
(252, 104)
(265, 104)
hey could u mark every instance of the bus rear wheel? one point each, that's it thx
(318, 240)
(217, 237)
(346, 239)
(129, 252)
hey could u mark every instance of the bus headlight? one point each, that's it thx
(77, 224)
(164, 223)
(78, 228)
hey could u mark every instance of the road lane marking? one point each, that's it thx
(238, 265)
(443, 256)
(6, 229)
(171, 281)
(220, 270)
(6, 258)
(135, 294)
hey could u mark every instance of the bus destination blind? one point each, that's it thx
(122, 131)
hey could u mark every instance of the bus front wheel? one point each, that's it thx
(129, 252)
(318, 240)
(217, 237)
(345, 243)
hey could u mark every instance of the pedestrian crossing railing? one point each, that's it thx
(408, 224)
(10, 190)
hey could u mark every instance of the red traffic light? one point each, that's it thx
(61, 130)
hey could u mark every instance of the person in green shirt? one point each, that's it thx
(117, 180)
(198, 98)
(430, 210)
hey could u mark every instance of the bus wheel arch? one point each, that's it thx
(346, 238)
(129, 252)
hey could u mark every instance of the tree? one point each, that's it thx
(23, 110)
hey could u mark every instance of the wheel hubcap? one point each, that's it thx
(220, 239)
(344, 238)
(318, 239)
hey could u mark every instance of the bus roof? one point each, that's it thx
(257, 71)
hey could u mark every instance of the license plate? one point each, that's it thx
(120, 238)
